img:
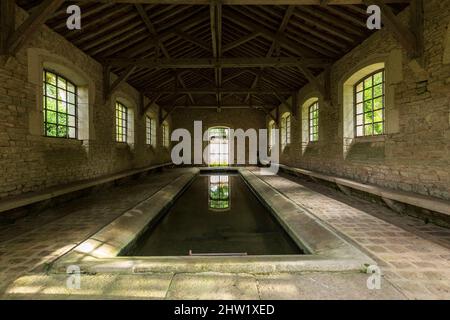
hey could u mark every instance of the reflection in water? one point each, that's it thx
(218, 146)
(219, 192)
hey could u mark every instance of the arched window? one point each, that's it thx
(150, 131)
(272, 128)
(65, 96)
(219, 144)
(60, 106)
(219, 193)
(166, 135)
(285, 130)
(121, 122)
(369, 105)
(313, 118)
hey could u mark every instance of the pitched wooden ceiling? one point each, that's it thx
(212, 54)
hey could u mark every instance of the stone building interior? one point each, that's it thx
(120, 174)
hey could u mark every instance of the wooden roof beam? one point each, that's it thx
(281, 28)
(31, 25)
(245, 2)
(212, 90)
(240, 41)
(205, 63)
(110, 89)
(403, 34)
(191, 39)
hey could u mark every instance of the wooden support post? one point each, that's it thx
(32, 24)
(402, 33)
(112, 88)
(327, 85)
(141, 103)
(106, 81)
(312, 79)
(417, 25)
(283, 101)
(7, 21)
(151, 102)
(295, 104)
(277, 116)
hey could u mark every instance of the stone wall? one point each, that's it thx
(28, 160)
(414, 155)
(232, 118)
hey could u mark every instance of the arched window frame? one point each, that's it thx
(370, 105)
(165, 135)
(60, 106)
(40, 60)
(123, 98)
(285, 130)
(392, 62)
(122, 120)
(272, 126)
(313, 121)
(150, 131)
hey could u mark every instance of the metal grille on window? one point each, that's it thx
(314, 122)
(121, 122)
(370, 105)
(60, 106)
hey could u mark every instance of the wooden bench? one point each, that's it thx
(52, 192)
(391, 197)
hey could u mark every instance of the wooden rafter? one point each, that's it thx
(246, 2)
(205, 63)
(110, 89)
(7, 14)
(240, 41)
(192, 39)
(214, 90)
(281, 29)
(405, 35)
(161, 45)
(274, 48)
(150, 103)
(31, 25)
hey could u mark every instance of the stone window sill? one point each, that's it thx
(123, 145)
(63, 141)
(381, 138)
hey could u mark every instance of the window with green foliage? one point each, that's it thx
(272, 129)
(219, 146)
(219, 192)
(370, 105)
(314, 122)
(60, 106)
(121, 122)
(150, 126)
(165, 135)
(286, 130)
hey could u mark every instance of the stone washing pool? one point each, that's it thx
(217, 215)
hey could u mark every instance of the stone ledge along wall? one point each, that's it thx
(31, 162)
(416, 157)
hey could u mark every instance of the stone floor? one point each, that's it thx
(414, 257)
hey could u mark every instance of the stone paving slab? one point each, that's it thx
(200, 286)
(417, 264)
(38, 240)
(100, 286)
(415, 257)
(214, 286)
(324, 286)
